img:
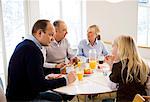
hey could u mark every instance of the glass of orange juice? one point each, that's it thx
(80, 76)
(92, 64)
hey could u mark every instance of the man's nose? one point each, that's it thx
(66, 33)
(52, 39)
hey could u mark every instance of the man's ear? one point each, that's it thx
(39, 32)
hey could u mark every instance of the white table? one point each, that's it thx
(92, 84)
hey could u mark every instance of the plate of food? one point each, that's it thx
(54, 76)
(88, 71)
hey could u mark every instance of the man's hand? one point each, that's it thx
(74, 60)
(60, 65)
(71, 77)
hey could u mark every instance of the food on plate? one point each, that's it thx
(75, 61)
(53, 76)
(88, 71)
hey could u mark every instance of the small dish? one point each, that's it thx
(53, 76)
(85, 75)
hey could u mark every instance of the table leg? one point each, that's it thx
(78, 98)
(92, 98)
(85, 98)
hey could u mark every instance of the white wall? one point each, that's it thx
(145, 53)
(115, 19)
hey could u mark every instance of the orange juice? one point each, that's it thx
(92, 64)
(79, 64)
(80, 76)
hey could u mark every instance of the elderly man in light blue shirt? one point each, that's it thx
(92, 43)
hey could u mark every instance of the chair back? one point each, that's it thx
(2, 95)
(138, 98)
(1, 83)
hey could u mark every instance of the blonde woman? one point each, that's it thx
(128, 70)
(93, 42)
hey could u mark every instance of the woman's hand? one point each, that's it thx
(109, 59)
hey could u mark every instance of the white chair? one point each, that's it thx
(2, 95)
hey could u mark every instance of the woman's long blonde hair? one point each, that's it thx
(127, 49)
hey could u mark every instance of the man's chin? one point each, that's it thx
(46, 44)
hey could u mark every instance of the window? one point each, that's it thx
(14, 16)
(143, 37)
(14, 28)
(143, 1)
(50, 9)
(71, 11)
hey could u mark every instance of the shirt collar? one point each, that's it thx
(32, 38)
(88, 43)
(58, 43)
(55, 41)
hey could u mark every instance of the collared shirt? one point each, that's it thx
(84, 47)
(57, 53)
(43, 50)
(31, 37)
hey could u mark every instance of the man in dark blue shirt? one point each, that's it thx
(26, 80)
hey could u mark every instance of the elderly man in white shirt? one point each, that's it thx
(59, 49)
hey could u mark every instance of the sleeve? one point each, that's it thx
(34, 63)
(43, 50)
(115, 75)
(104, 50)
(80, 49)
(2, 95)
(49, 65)
(46, 64)
(70, 53)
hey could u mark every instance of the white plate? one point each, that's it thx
(85, 75)
(54, 76)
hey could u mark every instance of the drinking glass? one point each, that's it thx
(92, 58)
(93, 64)
(69, 69)
(80, 75)
(100, 59)
(105, 70)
